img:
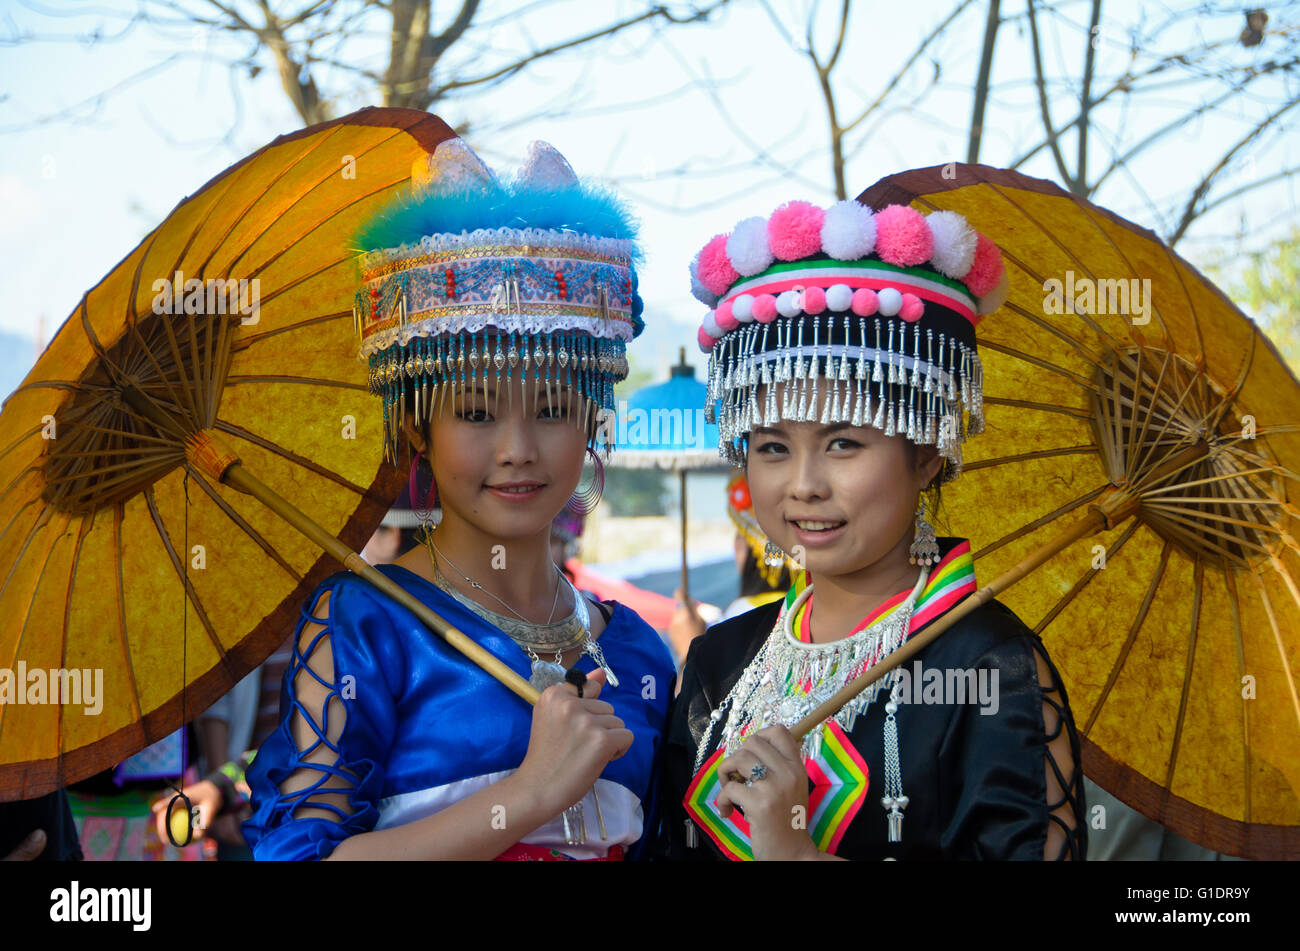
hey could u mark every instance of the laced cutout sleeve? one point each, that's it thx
(317, 778)
(1017, 772)
(1066, 834)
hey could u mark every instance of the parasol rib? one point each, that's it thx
(1010, 351)
(1189, 665)
(1052, 235)
(1287, 580)
(1116, 506)
(311, 381)
(181, 573)
(1021, 457)
(264, 443)
(363, 197)
(1144, 462)
(1082, 414)
(1147, 493)
(1190, 303)
(1127, 646)
(1074, 344)
(1085, 579)
(1039, 522)
(1215, 517)
(1230, 581)
(14, 518)
(119, 595)
(86, 526)
(242, 523)
(289, 164)
(1273, 467)
(250, 340)
(18, 644)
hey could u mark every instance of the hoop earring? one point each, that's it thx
(421, 507)
(584, 501)
(925, 547)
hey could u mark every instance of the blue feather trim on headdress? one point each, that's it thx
(585, 209)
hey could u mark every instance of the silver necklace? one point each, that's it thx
(478, 587)
(552, 638)
(770, 689)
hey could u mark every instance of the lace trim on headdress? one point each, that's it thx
(618, 250)
(471, 323)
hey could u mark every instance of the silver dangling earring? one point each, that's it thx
(773, 554)
(584, 501)
(925, 548)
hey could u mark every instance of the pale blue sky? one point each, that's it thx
(79, 193)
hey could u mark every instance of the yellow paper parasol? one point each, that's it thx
(1142, 438)
(211, 374)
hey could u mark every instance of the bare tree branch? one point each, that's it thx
(982, 83)
(1226, 197)
(1190, 211)
(911, 61)
(1052, 135)
(823, 71)
(654, 13)
(1182, 121)
(1085, 93)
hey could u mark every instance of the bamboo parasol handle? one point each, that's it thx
(1098, 518)
(1115, 505)
(206, 452)
(238, 477)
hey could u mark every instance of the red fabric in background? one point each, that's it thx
(655, 609)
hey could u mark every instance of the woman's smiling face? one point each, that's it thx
(837, 498)
(502, 467)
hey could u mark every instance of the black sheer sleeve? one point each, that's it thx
(1015, 765)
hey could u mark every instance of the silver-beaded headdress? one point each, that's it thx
(469, 278)
(877, 309)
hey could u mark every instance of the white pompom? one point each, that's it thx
(954, 243)
(698, 290)
(890, 300)
(742, 308)
(849, 230)
(839, 298)
(788, 303)
(748, 248)
(710, 325)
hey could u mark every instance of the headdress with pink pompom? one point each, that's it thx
(876, 308)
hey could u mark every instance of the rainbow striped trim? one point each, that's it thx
(950, 581)
(840, 780)
(839, 774)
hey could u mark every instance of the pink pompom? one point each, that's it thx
(715, 270)
(986, 271)
(902, 236)
(765, 308)
(706, 342)
(912, 309)
(814, 300)
(795, 230)
(864, 302)
(724, 316)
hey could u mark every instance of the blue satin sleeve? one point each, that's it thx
(368, 674)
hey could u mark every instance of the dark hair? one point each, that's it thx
(752, 582)
(932, 491)
(426, 422)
